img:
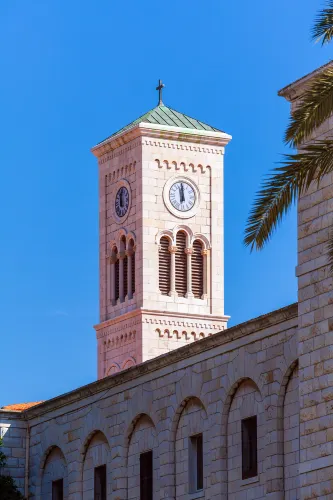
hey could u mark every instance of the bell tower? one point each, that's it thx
(161, 237)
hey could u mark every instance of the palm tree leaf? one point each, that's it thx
(323, 27)
(281, 189)
(315, 107)
(330, 252)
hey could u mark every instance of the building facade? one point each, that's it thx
(204, 411)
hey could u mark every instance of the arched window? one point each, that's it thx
(164, 258)
(181, 264)
(125, 265)
(114, 284)
(131, 266)
(116, 280)
(197, 269)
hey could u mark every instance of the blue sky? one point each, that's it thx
(73, 73)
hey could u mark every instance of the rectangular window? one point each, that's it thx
(58, 489)
(196, 463)
(100, 483)
(146, 476)
(249, 448)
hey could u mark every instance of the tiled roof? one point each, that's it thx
(20, 406)
(163, 115)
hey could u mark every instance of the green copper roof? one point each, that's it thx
(163, 115)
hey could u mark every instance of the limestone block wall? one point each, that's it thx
(13, 430)
(158, 404)
(315, 291)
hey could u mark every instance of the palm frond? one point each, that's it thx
(315, 107)
(323, 26)
(330, 252)
(281, 189)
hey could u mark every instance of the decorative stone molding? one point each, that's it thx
(181, 166)
(185, 334)
(120, 340)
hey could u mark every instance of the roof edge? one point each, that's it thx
(292, 90)
(161, 132)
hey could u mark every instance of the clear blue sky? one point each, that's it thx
(73, 72)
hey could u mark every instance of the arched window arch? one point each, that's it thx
(197, 269)
(164, 265)
(181, 265)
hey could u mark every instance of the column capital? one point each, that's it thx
(189, 251)
(129, 252)
(205, 251)
(113, 259)
(172, 249)
(121, 255)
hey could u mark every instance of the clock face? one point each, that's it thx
(122, 201)
(182, 196)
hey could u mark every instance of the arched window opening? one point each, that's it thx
(197, 269)
(131, 262)
(125, 265)
(181, 264)
(116, 280)
(164, 266)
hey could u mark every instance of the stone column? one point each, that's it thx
(189, 252)
(173, 250)
(121, 256)
(129, 254)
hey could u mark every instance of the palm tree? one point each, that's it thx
(284, 185)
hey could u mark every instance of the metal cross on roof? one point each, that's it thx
(160, 88)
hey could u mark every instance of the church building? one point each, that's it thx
(185, 408)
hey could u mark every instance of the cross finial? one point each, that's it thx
(160, 88)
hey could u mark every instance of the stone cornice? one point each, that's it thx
(161, 132)
(295, 89)
(219, 339)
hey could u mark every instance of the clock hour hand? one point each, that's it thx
(181, 193)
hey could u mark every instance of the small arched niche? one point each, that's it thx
(54, 475)
(96, 461)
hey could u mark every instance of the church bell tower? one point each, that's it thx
(161, 237)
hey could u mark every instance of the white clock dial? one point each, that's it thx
(182, 196)
(122, 201)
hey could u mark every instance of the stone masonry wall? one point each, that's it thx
(315, 298)
(13, 432)
(158, 404)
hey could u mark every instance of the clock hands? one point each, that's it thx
(181, 193)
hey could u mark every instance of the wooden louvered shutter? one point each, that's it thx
(164, 266)
(197, 270)
(125, 264)
(133, 272)
(181, 264)
(116, 279)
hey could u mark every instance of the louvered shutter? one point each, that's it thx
(164, 266)
(197, 270)
(133, 272)
(125, 276)
(116, 278)
(181, 264)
